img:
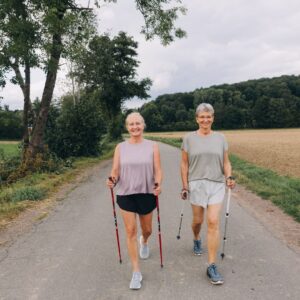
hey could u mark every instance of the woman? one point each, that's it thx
(137, 173)
(205, 169)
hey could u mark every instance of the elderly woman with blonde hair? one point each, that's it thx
(137, 174)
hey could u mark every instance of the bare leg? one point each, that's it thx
(198, 213)
(146, 226)
(213, 232)
(131, 232)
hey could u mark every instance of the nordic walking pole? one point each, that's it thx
(226, 220)
(159, 233)
(181, 216)
(115, 218)
(184, 195)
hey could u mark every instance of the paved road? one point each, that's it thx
(72, 253)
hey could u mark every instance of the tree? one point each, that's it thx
(109, 68)
(168, 113)
(37, 33)
(278, 115)
(10, 124)
(75, 129)
(18, 40)
(152, 117)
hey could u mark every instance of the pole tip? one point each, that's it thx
(120, 261)
(222, 255)
(178, 237)
(161, 266)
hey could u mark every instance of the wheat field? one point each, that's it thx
(275, 149)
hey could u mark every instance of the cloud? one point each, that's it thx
(228, 41)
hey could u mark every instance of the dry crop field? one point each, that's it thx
(276, 149)
(9, 142)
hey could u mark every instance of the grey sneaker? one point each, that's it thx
(197, 247)
(135, 283)
(213, 274)
(144, 249)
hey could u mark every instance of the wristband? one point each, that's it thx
(230, 178)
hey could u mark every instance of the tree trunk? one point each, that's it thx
(114, 127)
(27, 107)
(25, 87)
(36, 144)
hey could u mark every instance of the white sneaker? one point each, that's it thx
(144, 249)
(135, 283)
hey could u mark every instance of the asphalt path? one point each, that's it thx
(72, 254)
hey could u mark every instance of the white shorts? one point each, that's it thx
(205, 192)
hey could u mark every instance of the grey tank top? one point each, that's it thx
(136, 168)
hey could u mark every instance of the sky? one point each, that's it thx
(227, 41)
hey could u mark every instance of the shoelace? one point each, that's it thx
(136, 276)
(214, 269)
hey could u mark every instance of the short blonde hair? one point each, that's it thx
(135, 113)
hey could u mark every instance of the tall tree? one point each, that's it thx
(37, 33)
(18, 41)
(109, 68)
(52, 25)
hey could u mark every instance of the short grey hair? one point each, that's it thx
(135, 113)
(204, 107)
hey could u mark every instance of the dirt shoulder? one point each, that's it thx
(29, 218)
(270, 216)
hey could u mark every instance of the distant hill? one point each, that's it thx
(262, 103)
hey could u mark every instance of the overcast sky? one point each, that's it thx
(228, 41)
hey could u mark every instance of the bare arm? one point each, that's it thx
(184, 166)
(157, 169)
(228, 171)
(114, 173)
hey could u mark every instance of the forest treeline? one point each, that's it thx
(11, 127)
(261, 103)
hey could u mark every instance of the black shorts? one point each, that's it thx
(141, 204)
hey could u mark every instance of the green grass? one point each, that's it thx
(283, 191)
(22, 194)
(9, 149)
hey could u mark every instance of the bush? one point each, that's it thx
(28, 193)
(8, 165)
(11, 126)
(11, 168)
(75, 129)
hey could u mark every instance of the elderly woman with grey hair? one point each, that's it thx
(205, 170)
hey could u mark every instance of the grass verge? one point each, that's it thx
(9, 149)
(283, 191)
(24, 193)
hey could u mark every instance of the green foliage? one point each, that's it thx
(8, 165)
(263, 103)
(281, 190)
(159, 21)
(10, 124)
(159, 17)
(37, 33)
(108, 69)
(28, 193)
(75, 129)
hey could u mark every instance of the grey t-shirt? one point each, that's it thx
(205, 155)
